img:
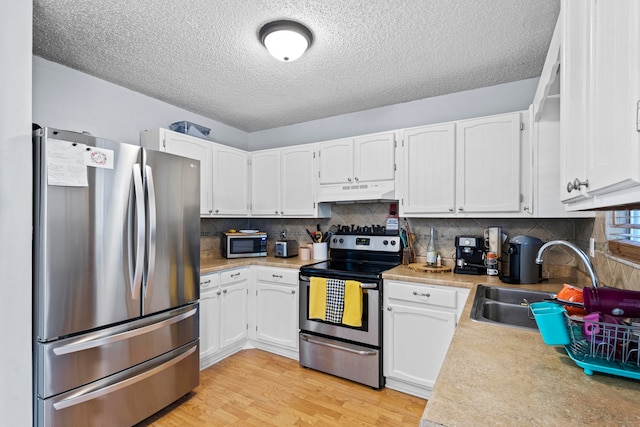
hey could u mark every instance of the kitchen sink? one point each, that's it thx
(506, 306)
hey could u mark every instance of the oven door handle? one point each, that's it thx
(362, 285)
(337, 347)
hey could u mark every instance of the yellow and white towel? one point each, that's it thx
(336, 301)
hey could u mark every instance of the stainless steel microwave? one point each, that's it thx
(244, 244)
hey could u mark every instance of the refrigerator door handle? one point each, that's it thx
(100, 341)
(136, 280)
(151, 212)
(76, 400)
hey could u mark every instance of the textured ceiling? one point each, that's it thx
(205, 56)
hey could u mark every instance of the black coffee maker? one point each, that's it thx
(470, 255)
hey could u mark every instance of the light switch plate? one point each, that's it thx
(592, 247)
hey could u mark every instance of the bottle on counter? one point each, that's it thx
(432, 252)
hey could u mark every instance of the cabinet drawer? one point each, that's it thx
(422, 294)
(209, 280)
(287, 276)
(232, 276)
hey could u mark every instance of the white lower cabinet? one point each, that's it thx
(419, 322)
(276, 310)
(209, 317)
(248, 307)
(223, 314)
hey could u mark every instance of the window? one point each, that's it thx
(623, 232)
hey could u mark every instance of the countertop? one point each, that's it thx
(497, 375)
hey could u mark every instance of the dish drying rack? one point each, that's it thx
(595, 346)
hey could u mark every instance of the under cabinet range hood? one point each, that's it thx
(360, 192)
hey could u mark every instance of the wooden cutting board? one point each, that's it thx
(416, 266)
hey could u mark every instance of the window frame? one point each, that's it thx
(624, 248)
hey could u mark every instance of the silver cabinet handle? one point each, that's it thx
(389, 308)
(224, 291)
(205, 282)
(357, 179)
(235, 274)
(450, 209)
(218, 293)
(368, 285)
(293, 291)
(277, 276)
(349, 179)
(460, 208)
(421, 295)
(577, 185)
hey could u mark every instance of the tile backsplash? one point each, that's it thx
(610, 271)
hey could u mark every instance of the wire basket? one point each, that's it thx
(600, 346)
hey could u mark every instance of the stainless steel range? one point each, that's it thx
(338, 347)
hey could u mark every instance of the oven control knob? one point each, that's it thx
(341, 240)
(393, 243)
(385, 242)
(335, 240)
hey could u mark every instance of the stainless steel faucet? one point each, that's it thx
(585, 259)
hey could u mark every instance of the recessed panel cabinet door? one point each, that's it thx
(614, 149)
(277, 314)
(488, 164)
(416, 342)
(297, 181)
(336, 161)
(429, 169)
(233, 314)
(374, 157)
(265, 183)
(230, 181)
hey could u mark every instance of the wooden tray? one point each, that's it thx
(416, 266)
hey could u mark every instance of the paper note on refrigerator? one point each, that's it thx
(65, 164)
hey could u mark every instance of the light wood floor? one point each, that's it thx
(254, 387)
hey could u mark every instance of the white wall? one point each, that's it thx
(486, 101)
(15, 213)
(68, 99)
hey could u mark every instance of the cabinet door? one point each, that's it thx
(429, 169)
(277, 314)
(233, 313)
(199, 149)
(297, 181)
(374, 158)
(574, 92)
(230, 181)
(488, 164)
(265, 183)
(336, 161)
(416, 342)
(209, 321)
(613, 150)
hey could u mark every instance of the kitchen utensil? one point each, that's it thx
(313, 238)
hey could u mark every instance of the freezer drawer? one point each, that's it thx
(69, 363)
(127, 397)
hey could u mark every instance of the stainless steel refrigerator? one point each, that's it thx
(116, 279)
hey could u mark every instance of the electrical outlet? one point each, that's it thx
(592, 247)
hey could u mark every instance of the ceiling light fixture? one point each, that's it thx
(285, 40)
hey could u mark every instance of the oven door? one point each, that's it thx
(369, 333)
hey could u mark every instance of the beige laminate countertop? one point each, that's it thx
(497, 375)
(210, 262)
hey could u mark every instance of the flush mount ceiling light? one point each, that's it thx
(285, 40)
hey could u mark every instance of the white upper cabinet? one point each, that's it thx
(230, 181)
(186, 146)
(488, 160)
(265, 183)
(367, 158)
(283, 183)
(224, 173)
(429, 169)
(600, 95)
(467, 168)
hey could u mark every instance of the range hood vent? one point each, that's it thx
(368, 191)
